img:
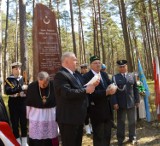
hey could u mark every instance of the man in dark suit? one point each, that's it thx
(71, 101)
(125, 101)
(100, 111)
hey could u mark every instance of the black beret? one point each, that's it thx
(122, 62)
(93, 58)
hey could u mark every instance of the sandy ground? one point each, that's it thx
(148, 134)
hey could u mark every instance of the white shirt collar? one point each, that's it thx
(95, 73)
(124, 73)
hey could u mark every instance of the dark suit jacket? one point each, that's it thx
(71, 98)
(127, 98)
(99, 103)
(3, 111)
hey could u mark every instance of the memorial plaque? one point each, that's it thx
(46, 52)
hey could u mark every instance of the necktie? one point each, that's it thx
(101, 81)
(124, 76)
(77, 79)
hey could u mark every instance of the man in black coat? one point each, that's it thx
(100, 110)
(71, 101)
(125, 101)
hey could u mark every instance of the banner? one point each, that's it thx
(147, 93)
(157, 85)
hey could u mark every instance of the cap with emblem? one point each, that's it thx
(121, 62)
(16, 64)
(93, 58)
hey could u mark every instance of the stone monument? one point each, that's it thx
(46, 52)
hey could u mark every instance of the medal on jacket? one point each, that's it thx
(44, 99)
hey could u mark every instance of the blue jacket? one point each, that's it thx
(128, 97)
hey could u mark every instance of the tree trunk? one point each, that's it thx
(125, 35)
(73, 33)
(131, 47)
(147, 30)
(101, 33)
(23, 38)
(16, 33)
(95, 29)
(1, 73)
(154, 30)
(82, 33)
(5, 45)
(158, 11)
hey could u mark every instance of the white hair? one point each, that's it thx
(43, 75)
(67, 55)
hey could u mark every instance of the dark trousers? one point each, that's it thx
(101, 133)
(71, 135)
(17, 110)
(121, 117)
(87, 120)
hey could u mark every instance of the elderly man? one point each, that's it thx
(100, 110)
(71, 100)
(15, 88)
(125, 101)
(41, 107)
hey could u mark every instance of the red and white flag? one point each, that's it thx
(157, 85)
(7, 136)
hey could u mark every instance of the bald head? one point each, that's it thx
(69, 61)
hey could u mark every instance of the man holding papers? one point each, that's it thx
(100, 110)
(71, 100)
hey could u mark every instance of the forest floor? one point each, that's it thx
(148, 134)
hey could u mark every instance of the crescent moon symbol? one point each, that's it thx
(46, 20)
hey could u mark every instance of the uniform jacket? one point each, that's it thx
(70, 97)
(127, 98)
(99, 103)
(13, 85)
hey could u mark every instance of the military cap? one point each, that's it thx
(103, 66)
(84, 65)
(122, 62)
(93, 58)
(16, 64)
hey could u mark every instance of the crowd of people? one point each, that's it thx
(73, 101)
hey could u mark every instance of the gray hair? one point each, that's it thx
(43, 75)
(66, 55)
